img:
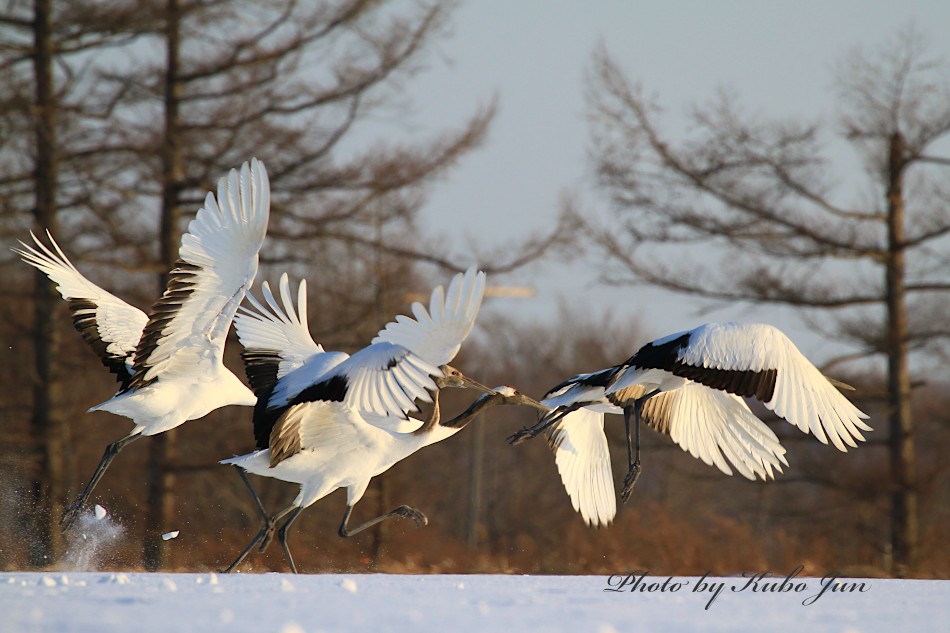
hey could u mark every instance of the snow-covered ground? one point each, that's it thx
(283, 603)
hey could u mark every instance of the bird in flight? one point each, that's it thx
(169, 363)
(691, 385)
(329, 420)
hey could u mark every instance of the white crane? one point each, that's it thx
(169, 363)
(327, 420)
(691, 386)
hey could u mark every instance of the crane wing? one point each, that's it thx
(108, 324)
(435, 335)
(275, 337)
(384, 380)
(717, 428)
(807, 399)
(314, 426)
(375, 381)
(217, 264)
(754, 360)
(583, 461)
(801, 394)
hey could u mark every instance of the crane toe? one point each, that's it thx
(407, 512)
(629, 482)
(521, 436)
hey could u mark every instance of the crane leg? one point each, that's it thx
(250, 488)
(71, 513)
(282, 537)
(269, 523)
(404, 512)
(633, 457)
(630, 480)
(544, 423)
(266, 531)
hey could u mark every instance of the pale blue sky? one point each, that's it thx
(778, 56)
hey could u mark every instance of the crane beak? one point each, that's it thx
(531, 402)
(470, 383)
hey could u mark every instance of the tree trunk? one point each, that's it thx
(904, 497)
(162, 449)
(47, 492)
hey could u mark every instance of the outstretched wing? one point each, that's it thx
(799, 392)
(275, 337)
(435, 335)
(580, 446)
(807, 399)
(280, 356)
(754, 360)
(384, 380)
(715, 427)
(583, 461)
(108, 324)
(217, 264)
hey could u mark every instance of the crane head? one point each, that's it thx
(451, 377)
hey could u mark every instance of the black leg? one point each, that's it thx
(282, 538)
(634, 473)
(269, 523)
(250, 488)
(402, 511)
(626, 425)
(267, 530)
(544, 423)
(72, 512)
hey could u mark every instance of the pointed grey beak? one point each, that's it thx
(470, 383)
(531, 402)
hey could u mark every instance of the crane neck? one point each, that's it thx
(474, 410)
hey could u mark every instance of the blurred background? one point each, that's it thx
(621, 170)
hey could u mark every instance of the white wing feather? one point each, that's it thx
(717, 427)
(803, 396)
(583, 461)
(278, 329)
(119, 324)
(385, 378)
(437, 334)
(220, 251)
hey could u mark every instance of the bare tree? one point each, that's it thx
(154, 101)
(288, 83)
(760, 195)
(172, 93)
(45, 76)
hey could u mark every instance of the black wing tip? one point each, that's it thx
(600, 378)
(83, 313)
(261, 367)
(333, 389)
(181, 284)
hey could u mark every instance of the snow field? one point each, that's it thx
(283, 603)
